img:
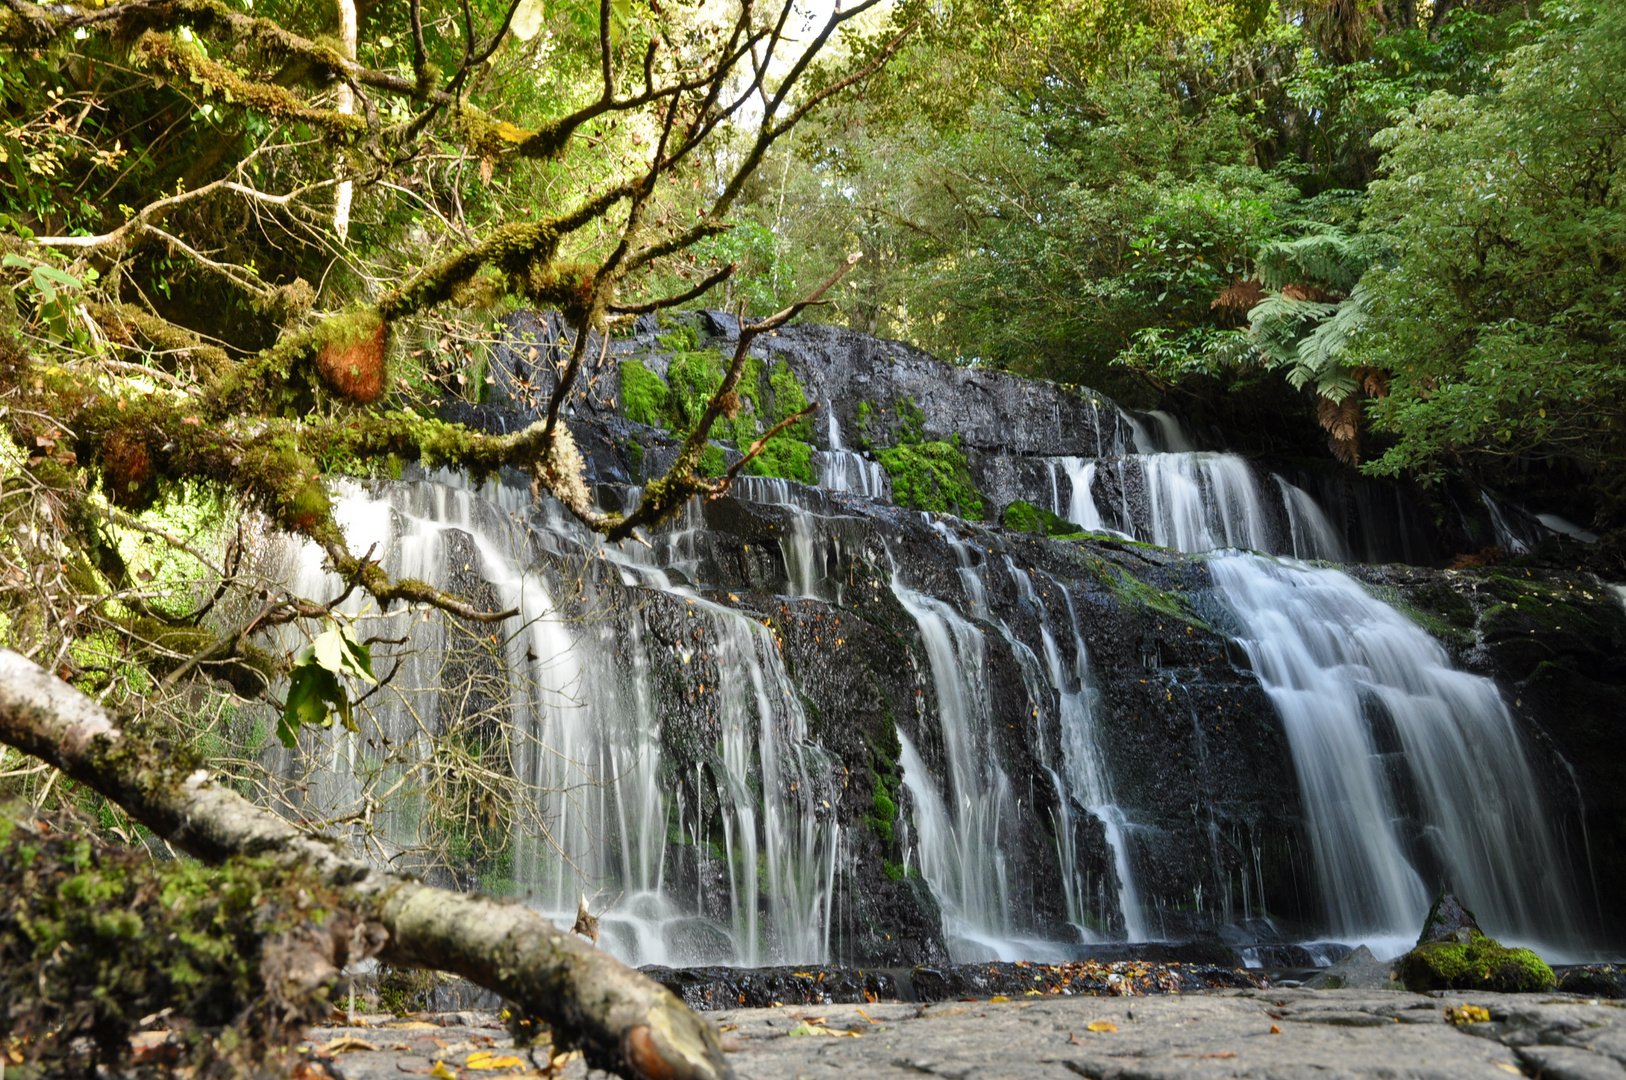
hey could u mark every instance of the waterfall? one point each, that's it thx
(806, 559)
(959, 816)
(1160, 489)
(1084, 762)
(1312, 535)
(586, 716)
(841, 469)
(1412, 774)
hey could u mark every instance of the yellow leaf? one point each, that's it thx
(999, 997)
(345, 1044)
(485, 1060)
(441, 1072)
(1103, 1025)
(1467, 1014)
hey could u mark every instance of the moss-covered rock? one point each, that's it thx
(1481, 963)
(932, 476)
(1026, 517)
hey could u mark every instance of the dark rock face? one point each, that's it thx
(1448, 920)
(1593, 980)
(1360, 970)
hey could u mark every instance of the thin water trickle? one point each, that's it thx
(841, 469)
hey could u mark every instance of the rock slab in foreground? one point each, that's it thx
(1385, 1035)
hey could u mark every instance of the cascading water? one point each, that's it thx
(841, 469)
(1378, 722)
(1087, 779)
(1162, 490)
(1410, 773)
(586, 718)
(960, 816)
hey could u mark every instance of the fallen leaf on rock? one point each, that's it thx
(805, 1028)
(485, 1059)
(1510, 1067)
(346, 1044)
(999, 997)
(1103, 1025)
(440, 1070)
(1221, 1054)
(1073, 1039)
(1467, 1014)
(1274, 1030)
(146, 1047)
(413, 1025)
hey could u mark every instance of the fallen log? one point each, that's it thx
(623, 1021)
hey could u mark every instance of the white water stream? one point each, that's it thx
(1378, 722)
(586, 716)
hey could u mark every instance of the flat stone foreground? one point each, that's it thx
(1275, 1034)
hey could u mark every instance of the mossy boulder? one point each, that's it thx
(1481, 963)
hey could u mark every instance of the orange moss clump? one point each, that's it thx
(127, 472)
(351, 359)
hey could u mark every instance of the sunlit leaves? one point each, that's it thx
(316, 687)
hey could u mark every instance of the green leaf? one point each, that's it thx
(309, 690)
(358, 658)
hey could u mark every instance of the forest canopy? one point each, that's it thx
(1394, 224)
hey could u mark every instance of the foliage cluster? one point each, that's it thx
(1397, 223)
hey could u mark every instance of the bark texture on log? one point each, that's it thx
(623, 1021)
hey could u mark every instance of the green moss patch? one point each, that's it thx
(1481, 963)
(764, 398)
(230, 961)
(1025, 517)
(932, 476)
(644, 397)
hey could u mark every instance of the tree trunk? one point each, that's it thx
(623, 1021)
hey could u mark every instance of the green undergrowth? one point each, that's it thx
(99, 941)
(767, 395)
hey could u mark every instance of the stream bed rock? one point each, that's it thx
(1269, 1032)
